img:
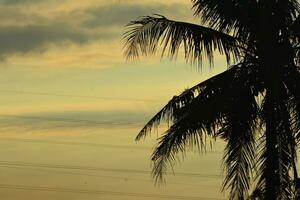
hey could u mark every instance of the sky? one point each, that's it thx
(70, 98)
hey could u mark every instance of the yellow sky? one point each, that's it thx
(63, 77)
(75, 47)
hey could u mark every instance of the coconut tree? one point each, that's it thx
(254, 105)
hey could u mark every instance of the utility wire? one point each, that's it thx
(87, 144)
(78, 96)
(70, 120)
(100, 192)
(66, 122)
(123, 178)
(86, 168)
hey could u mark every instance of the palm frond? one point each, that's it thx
(203, 116)
(243, 17)
(292, 82)
(295, 37)
(193, 121)
(295, 27)
(297, 50)
(206, 91)
(190, 130)
(287, 11)
(277, 159)
(228, 15)
(257, 194)
(175, 141)
(277, 164)
(239, 130)
(146, 34)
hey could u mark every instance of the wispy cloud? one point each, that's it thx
(83, 119)
(122, 14)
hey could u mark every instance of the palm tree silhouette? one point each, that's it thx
(254, 105)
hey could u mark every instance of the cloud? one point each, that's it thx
(15, 16)
(36, 38)
(34, 29)
(88, 119)
(121, 14)
(7, 2)
(22, 2)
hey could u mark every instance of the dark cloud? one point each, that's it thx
(22, 31)
(24, 39)
(13, 2)
(33, 37)
(121, 14)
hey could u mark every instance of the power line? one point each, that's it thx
(98, 145)
(124, 178)
(86, 168)
(75, 143)
(78, 96)
(70, 120)
(100, 192)
(88, 122)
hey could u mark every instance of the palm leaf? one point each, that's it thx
(239, 131)
(257, 194)
(207, 90)
(204, 115)
(277, 159)
(242, 18)
(227, 15)
(292, 81)
(144, 36)
(295, 28)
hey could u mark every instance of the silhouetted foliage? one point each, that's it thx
(254, 105)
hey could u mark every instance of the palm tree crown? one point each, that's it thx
(254, 105)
